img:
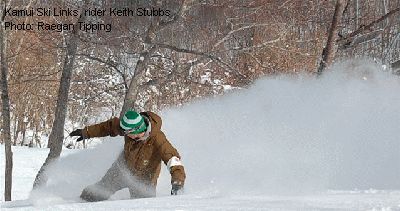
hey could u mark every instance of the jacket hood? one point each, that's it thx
(155, 120)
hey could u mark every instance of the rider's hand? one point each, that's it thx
(177, 188)
(77, 132)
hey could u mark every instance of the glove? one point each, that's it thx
(177, 187)
(77, 132)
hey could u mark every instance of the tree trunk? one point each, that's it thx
(57, 133)
(329, 52)
(5, 111)
(37, 139)
(140, 69)
(134, 85)
(23, 133)
(16, 130)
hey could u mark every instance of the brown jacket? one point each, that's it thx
(143, 158)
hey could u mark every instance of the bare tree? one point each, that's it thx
(134, 86)
(328, 54)
(353, 38)
(57, 133)
(5, 109)
(369, 28)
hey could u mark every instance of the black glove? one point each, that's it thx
(177, 187)
(77, 132)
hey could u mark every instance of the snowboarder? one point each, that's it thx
(138, 166)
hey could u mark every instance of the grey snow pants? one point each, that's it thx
(117, 178)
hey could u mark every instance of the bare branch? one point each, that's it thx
(110, 63)
(230, 33)
(347, 40)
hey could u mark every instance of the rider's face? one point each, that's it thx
(135, 136)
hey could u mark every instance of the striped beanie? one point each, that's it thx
(132, 123)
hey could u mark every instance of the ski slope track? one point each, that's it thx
(285, 143)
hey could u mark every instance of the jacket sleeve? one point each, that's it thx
(171, 158)
(108, 128)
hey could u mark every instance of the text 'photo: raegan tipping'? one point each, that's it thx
(84, 26)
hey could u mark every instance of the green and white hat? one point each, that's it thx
(132, 122)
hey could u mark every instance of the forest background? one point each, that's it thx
(203, 48)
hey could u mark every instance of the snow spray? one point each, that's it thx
(281, 135)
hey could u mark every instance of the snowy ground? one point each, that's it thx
(283, 144)
(29, 161)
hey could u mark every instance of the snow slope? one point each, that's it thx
(284, 144)
(214, 200)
